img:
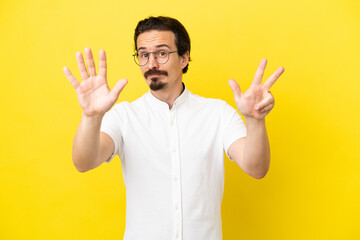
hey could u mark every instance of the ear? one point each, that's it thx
(185, 60)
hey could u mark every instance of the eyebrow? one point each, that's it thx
(158, 46)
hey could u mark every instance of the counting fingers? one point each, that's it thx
(269, 100)
(260, 72)
(267, 108)
(272, 79)
(102, 63)
(74, 82)
(90, 62)
(81, 64)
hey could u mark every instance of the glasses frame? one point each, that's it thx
(136, 55)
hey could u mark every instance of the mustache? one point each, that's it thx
(155, 71)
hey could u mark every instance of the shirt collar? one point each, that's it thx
(177, 101)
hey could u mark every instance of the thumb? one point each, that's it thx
(235, 88)
(119, 86)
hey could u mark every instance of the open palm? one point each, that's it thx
(257, 101)
(93, 92)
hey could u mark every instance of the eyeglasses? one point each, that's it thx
(161, 57)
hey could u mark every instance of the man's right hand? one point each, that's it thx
(93, 92)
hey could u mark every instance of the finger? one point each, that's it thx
(267, 108)
(119, 86)
(272, 79)
(90, 62)
(235, 88)
(81, 64)
(102, 63)
(265, 102)
(260, 72)
(75, 83)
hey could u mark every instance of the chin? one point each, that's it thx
(156, 84)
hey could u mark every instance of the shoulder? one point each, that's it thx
(125, 105)
(119, 107)
(213, 103)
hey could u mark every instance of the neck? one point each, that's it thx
(169, 95)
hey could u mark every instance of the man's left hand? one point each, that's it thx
(257, 101)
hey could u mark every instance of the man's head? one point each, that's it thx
(182, 39)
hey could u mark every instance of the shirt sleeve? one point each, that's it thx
(112, 124)
(234, 128)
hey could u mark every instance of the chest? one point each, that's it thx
(188, 131)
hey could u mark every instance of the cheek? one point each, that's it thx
(143, 70)
(176, 68)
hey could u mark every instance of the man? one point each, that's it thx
(170, 141)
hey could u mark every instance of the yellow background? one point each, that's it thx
(313, 188)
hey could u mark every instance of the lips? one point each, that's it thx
(154, 75)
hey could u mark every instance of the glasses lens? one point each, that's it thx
(138, 60)
(162, 57)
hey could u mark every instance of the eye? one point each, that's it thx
(143, 54)
(162, 53)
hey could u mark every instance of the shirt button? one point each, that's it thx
(176, 207)
(174, 150)
(172, 123)
(177, 235)
(175, 179)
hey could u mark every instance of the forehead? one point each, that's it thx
(154, 39)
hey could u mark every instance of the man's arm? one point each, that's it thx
(252, 153)
(92, 147)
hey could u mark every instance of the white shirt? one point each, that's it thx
(173, 164)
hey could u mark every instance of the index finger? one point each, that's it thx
(102, 63)
(260, 72)
(272, 79)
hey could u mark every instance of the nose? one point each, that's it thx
(152, 62)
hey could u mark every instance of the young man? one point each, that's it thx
(170, 141)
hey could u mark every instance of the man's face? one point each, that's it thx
(161, 76)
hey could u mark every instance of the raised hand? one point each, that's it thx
(93, 92)
(257, 101)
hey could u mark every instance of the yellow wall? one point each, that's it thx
(313, 188)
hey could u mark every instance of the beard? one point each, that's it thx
(156, 84)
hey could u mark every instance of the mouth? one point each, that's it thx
(154, 75)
